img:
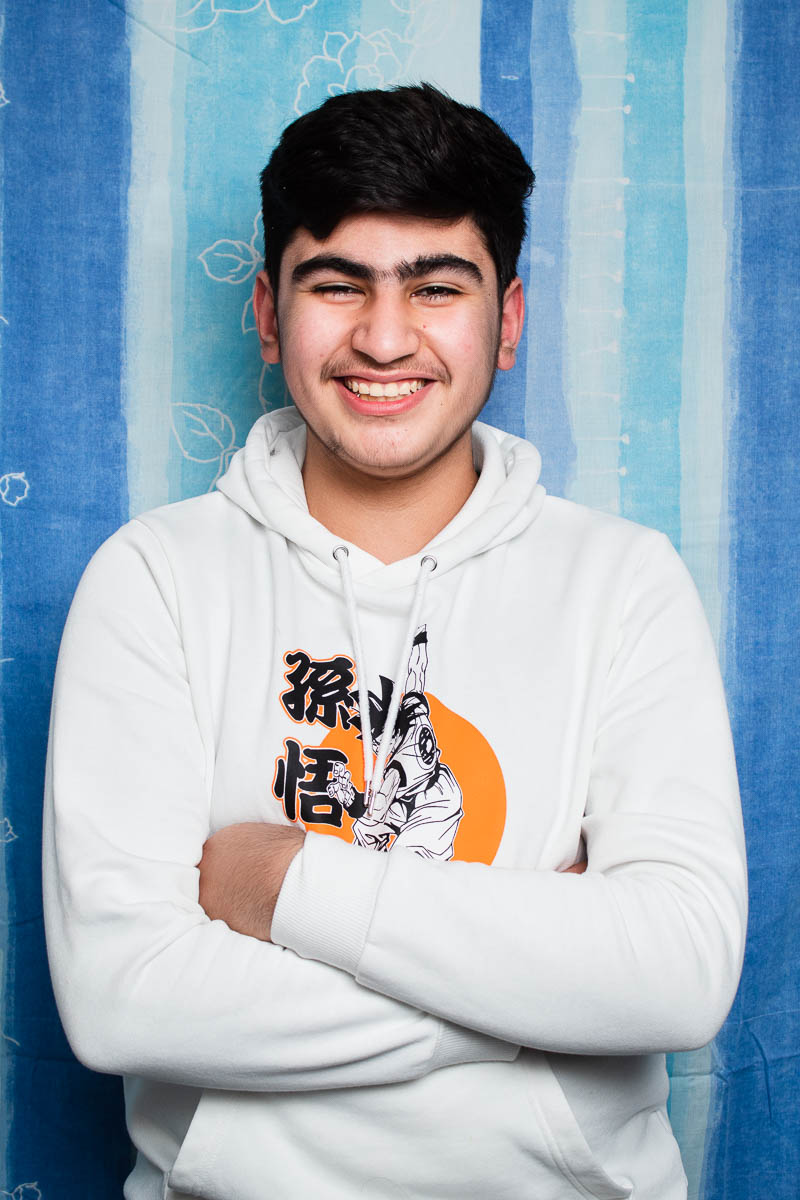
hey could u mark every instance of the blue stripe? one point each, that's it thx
(756, 1151)
(66, 146)
(506, 96)
(556, 99)
(655, 257)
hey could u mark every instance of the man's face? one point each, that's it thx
(389, 332)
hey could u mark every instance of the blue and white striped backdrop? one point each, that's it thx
(657, 378)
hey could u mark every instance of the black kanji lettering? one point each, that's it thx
(321, 690)
(303, 775)
(289, 771)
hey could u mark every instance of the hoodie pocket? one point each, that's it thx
(568, 1147)
(467, 1122)
(194, 1172)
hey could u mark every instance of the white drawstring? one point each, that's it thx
(374, 767)
(342, 556)
(426, 569)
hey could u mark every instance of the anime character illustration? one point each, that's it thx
(419, 802)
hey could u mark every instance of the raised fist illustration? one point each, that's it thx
(341, 785)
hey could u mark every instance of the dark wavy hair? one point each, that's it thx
(409, 150)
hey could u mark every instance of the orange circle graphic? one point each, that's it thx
(473, 762)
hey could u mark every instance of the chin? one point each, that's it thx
(387, 466)
(382, 455)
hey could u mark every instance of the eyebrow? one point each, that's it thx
(424, 264)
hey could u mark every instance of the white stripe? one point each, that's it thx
(596, 238)
(442, 41)
(703, 429)
(156, 109)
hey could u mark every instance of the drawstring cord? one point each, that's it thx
(375, 766)
(426, 569)
(342, 556)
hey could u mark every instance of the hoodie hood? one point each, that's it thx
(265, 479)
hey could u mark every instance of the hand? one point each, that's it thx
(341, 785)
(242, 871)
(576, 869)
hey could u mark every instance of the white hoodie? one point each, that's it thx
(559, 689)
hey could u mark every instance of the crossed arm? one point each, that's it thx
(242, 871)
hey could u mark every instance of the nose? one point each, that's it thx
(386, 329)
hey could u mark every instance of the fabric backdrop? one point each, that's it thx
(656, 377)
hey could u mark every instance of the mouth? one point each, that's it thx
(391, 390)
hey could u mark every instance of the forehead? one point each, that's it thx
(382, 240)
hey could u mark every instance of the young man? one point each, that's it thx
(269, 698)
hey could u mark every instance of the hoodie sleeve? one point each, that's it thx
(146, 984)
(642, 953)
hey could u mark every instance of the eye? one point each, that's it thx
(336, 290)
(436, 292)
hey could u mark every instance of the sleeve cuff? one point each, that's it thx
(458, 1045)
(326, 902)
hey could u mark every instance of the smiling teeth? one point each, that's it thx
(384, 391)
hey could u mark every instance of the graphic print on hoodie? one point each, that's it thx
(442, 794)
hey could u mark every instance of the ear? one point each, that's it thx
(266, 318)
(512, 318)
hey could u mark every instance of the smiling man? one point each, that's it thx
(392, 829)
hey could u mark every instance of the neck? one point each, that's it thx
(390, 518)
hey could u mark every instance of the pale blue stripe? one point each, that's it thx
(597, 266)
(704, 414)
(655, 282)
(156, 142)
(442, 44)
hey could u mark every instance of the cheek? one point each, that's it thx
(306, 345)
(473, 343)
